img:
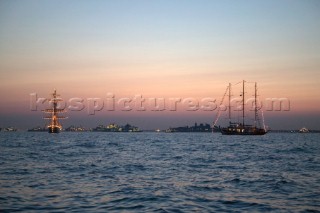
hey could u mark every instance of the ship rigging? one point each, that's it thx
(241, 128)
(54, 126)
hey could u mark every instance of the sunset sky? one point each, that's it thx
(167, 48)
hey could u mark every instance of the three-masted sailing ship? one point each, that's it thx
(241, 128)
(54, 126)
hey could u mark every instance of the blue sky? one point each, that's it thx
(264, 27)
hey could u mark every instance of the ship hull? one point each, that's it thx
(53, 129)
(228, 131)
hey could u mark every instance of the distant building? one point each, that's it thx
(75, 129)
(116, 128)
(196, 128)
(38, 129)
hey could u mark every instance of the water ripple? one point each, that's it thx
(148, 172)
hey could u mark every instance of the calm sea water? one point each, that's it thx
(159, 172)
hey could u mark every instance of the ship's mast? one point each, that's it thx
(54, 111)
(54, 120)
(255, 105)
(243, 103)
(229, 103)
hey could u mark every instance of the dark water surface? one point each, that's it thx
(159, 172)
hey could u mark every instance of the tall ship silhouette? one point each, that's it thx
(240, 127)
(54, 126)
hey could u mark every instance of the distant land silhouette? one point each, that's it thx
(202, 127)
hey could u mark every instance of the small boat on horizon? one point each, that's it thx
(304, 130)
(10, 129)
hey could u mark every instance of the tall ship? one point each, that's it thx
(240, 127)
(54, 126)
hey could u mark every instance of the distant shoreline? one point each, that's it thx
(163, 131)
